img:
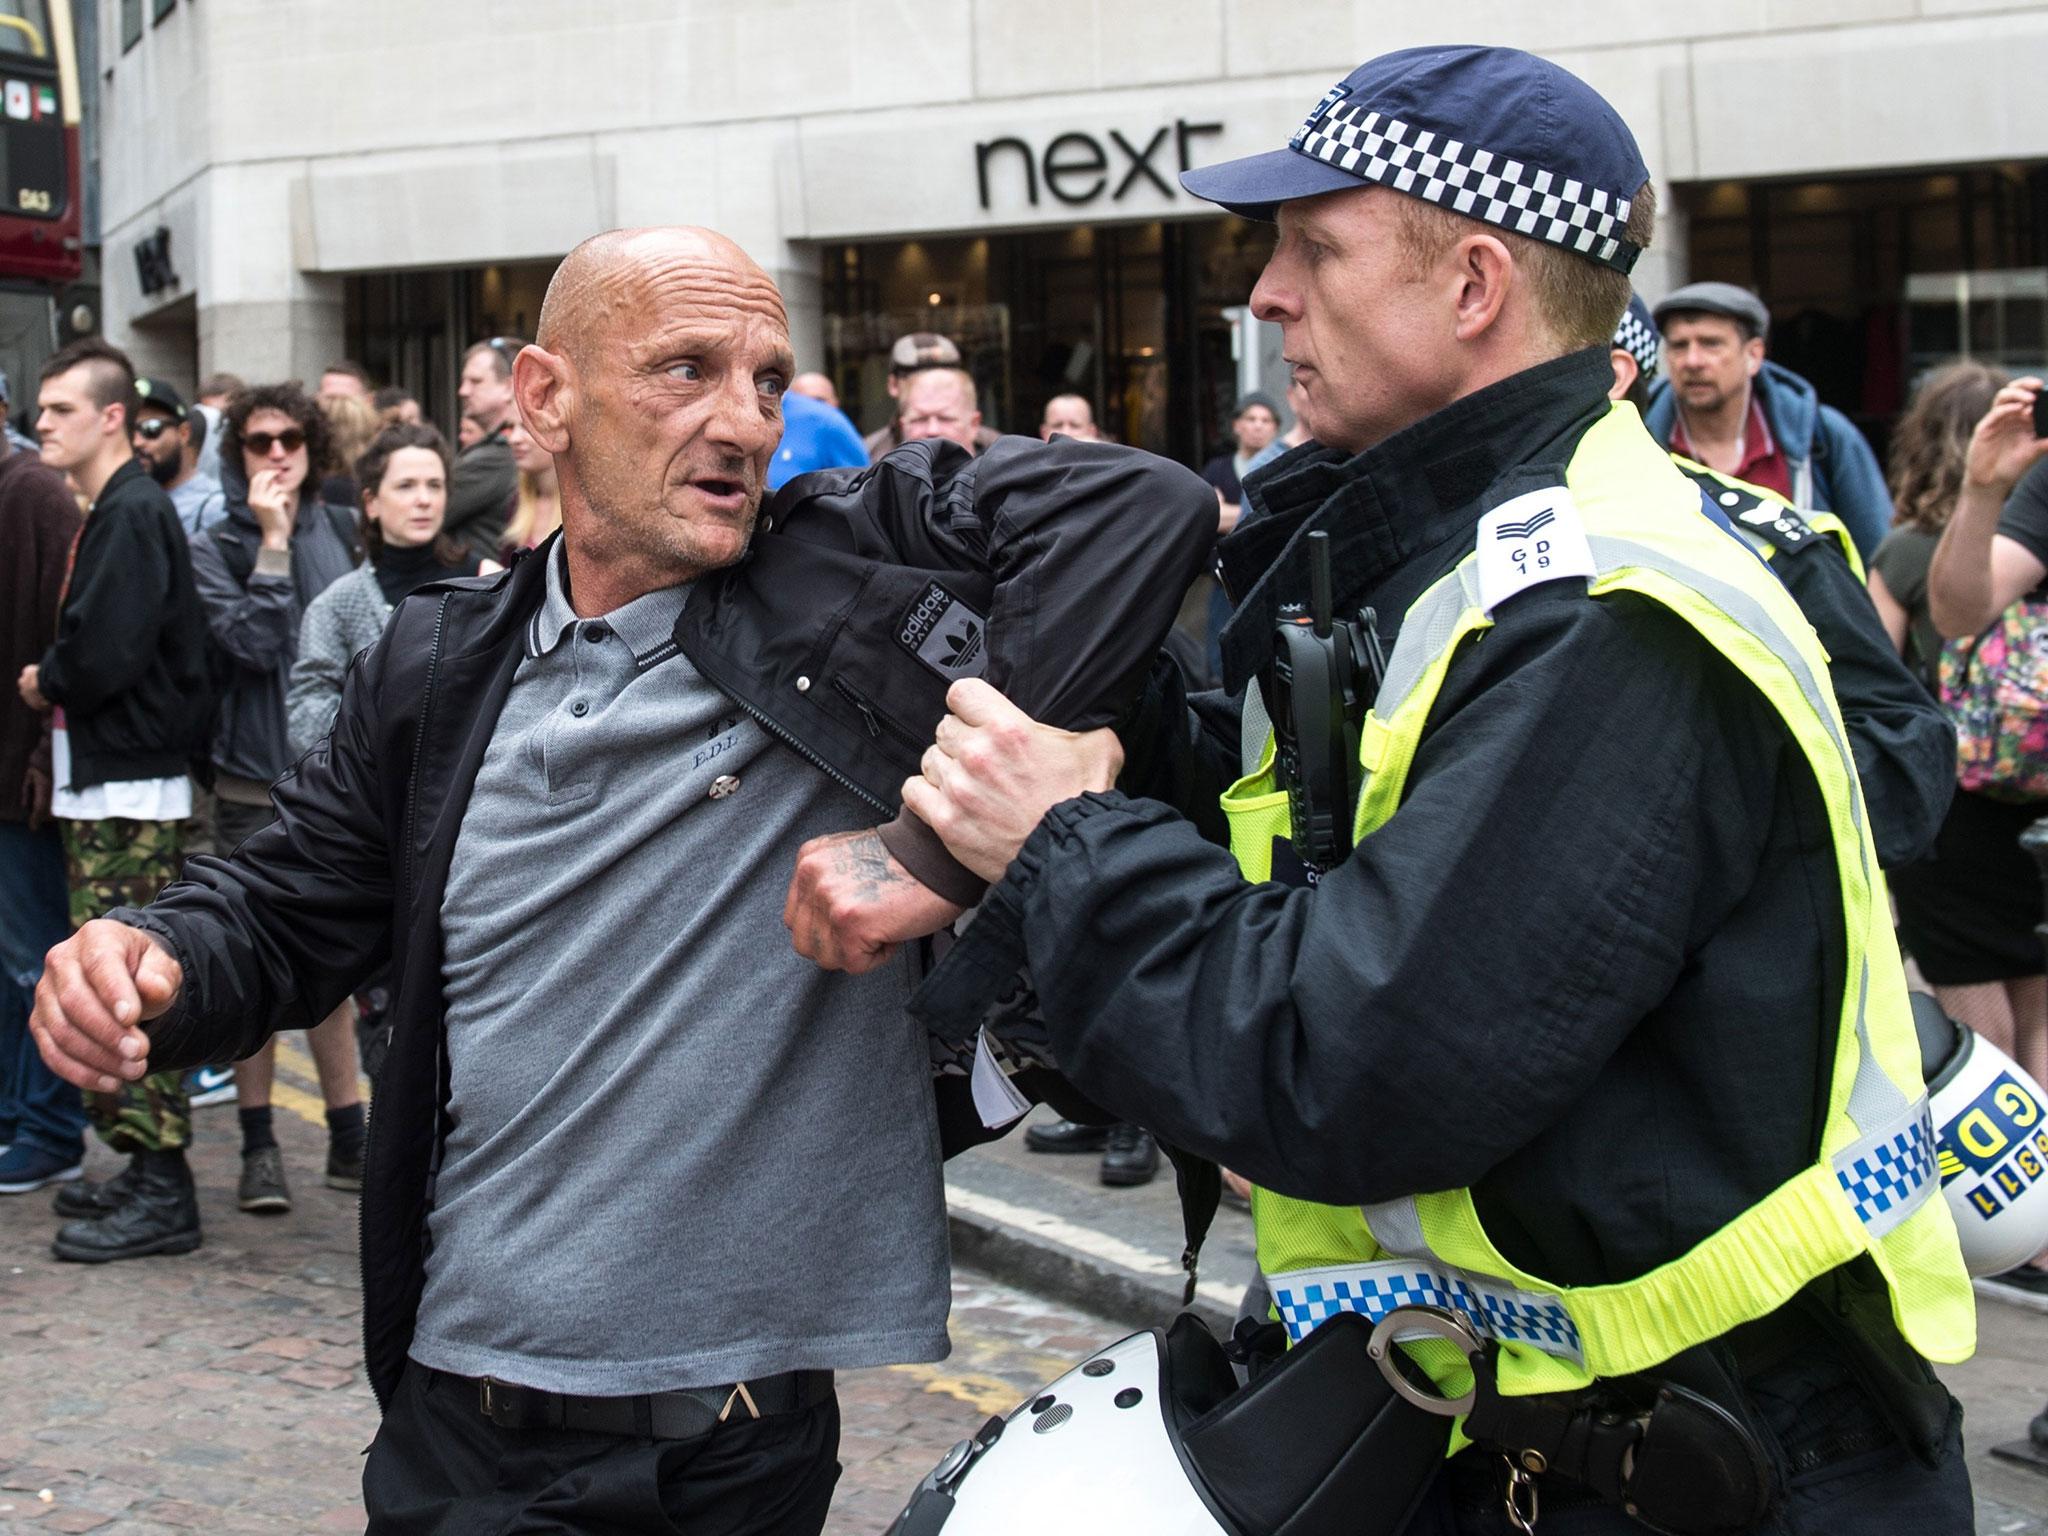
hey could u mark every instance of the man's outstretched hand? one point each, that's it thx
(97, 988)
(993, 772)
(850, 903)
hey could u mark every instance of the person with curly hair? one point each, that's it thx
(257, 570)
(1967, 912)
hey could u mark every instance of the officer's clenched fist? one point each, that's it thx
(993, 772)
(97, 988)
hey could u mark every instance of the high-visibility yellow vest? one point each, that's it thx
(1766, 521)
(1627, 520)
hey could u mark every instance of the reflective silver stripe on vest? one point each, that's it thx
(1889, 1170)
(1307, 1297)
(1253, 727)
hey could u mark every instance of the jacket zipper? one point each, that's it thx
(802, 751)
(412, 788)
(412, 801)
(876, 721)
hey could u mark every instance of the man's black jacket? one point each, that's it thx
(1088, 545)
(129, 664)
(1593, 965)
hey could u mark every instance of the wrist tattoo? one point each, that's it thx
(863, 861)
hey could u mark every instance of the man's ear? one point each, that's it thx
(1626, 372)
(1753, 355)
(1485, 272)
(544, 389)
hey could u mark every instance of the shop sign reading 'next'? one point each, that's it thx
(1079, 167)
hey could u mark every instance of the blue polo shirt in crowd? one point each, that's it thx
(814, 436)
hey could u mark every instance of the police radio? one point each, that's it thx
(1325, 674)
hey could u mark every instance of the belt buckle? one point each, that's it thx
(484, 1401)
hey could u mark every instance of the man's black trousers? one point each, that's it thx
(438, 1467)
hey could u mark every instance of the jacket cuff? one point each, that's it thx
(50, 677)
(976, 970)
(169, 1029)
(272, 562)
(918, 849)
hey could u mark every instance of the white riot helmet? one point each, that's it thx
(1991, 1128)
(1154, 1437)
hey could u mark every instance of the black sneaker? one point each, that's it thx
(161, 1215)
(345, 1170)
(1131, 1158)
(1066, 1136)
(90, 1199)
(263, 1190)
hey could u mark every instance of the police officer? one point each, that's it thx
(1904, 746)
(1597, 1033)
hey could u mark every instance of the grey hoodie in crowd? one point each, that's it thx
(254, 601)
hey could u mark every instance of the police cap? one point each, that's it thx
(1492, 133)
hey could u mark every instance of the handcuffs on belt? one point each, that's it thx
(1671, 1459)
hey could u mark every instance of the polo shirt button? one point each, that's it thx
(722, 786)
(595, 632)
(580, 708)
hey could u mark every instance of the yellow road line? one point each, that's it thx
(309, 1107)
(302, 1099)
(987, 1393)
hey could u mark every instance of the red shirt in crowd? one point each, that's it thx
(1762, 464)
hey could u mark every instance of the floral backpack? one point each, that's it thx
(1994, 687)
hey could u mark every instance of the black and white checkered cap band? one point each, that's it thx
(1475, 182)
(1639, 341)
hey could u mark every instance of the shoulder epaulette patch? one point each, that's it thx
(1534, 538)
(1762, 518)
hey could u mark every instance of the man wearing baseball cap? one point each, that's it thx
(911, 355)
(1574, 1018)
(1729, 407)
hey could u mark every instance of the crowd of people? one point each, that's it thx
(305, 518)
(1589, 978)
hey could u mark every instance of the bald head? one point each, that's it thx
(604, 281)
(656, 385)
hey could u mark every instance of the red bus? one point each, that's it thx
(42, 251)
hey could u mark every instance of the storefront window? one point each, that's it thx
(1874, 279)
(1130, 316)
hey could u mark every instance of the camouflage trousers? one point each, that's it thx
(123, 863)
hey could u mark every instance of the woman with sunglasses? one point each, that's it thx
(279, 547)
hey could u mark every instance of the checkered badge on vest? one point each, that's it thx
(945, 634)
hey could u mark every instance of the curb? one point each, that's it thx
(2009, 1296)
(1131, 1300)
(1060, 1273)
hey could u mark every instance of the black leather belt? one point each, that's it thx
(680, 1415)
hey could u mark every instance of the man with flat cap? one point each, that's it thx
(1730, 408)
(1581, 1019)
(1903, 743)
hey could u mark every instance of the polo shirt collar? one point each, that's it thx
(647, 624)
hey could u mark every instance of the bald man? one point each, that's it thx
(641, 1178)
(1071, 414)
(817, 386)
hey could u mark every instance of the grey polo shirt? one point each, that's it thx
(680, 1154)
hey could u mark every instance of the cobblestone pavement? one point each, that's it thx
(223, 1391)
